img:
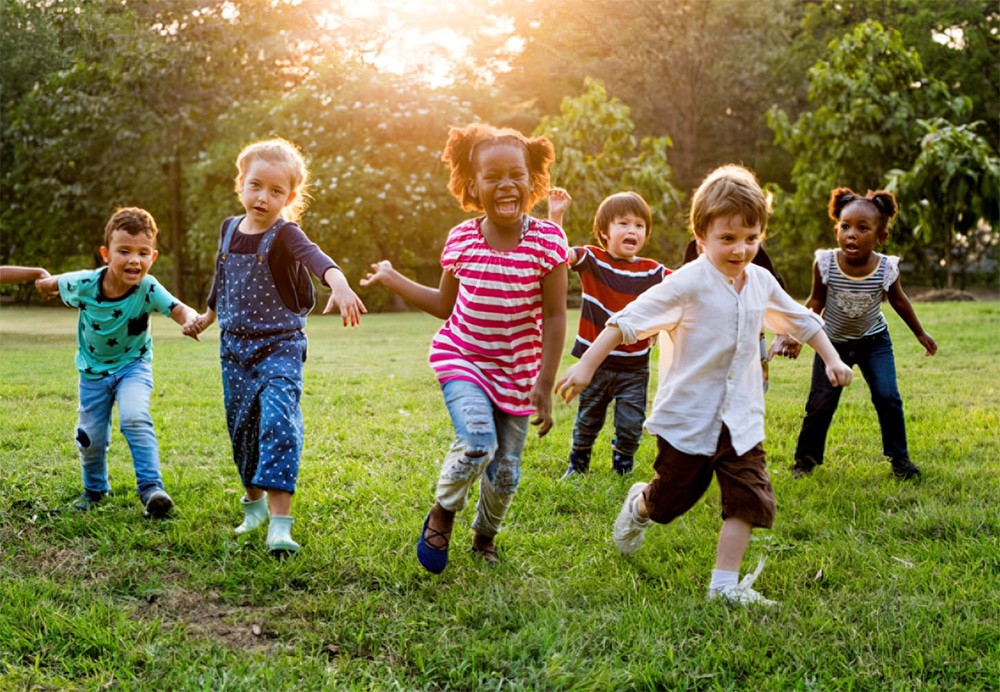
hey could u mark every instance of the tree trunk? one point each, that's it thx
(176, 226)
(949, 242)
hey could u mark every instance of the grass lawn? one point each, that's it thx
(883, 584)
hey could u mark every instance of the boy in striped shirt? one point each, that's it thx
(612, 275)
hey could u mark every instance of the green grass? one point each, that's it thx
(883, 585)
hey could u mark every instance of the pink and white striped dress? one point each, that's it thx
(494, 335)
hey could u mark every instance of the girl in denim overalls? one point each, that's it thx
(262, 293)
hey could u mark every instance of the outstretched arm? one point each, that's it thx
(559, 204)
(48, 287)
(554, 287)
(900, 302)
(838, 372)
(21, 275)
(576, 379)
(434, 301)
(351, 307)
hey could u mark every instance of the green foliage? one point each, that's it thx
(599, 154)
(866, 98)
(952, 187)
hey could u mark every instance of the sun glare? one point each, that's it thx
(413, 37)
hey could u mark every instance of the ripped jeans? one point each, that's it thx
(132, 388)
(488, 444)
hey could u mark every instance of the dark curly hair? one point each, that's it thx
(132, 220)
(884, 202)
(465, 142)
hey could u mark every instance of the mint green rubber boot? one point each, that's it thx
(279, 536)
(255, 512)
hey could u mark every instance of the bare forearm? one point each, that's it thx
(419, 296)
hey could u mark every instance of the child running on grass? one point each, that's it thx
(115, 355)
(849, 285)
(611, 275)
(261, 294)
(708, 414)
(503, 294)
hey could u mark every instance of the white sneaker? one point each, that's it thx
(742, 594)
(630, 532)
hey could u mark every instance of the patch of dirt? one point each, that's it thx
(941, 295)
(204, 615)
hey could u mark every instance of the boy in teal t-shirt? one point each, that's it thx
(115, 354)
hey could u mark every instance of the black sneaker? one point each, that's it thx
(803, 467)
(904, 469)
(158, 504)
(88, 500)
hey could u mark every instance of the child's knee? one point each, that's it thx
(89, 443)
(465, 460)
(505, 475)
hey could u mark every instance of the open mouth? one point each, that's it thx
(507, 205)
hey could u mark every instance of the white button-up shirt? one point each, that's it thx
(710, 371)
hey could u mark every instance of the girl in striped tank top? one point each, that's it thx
(503, 296)
(849, 286)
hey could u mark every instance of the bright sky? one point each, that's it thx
(420, 40)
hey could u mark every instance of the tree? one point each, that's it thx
(598, 154)
(952, 186)
(866, 98)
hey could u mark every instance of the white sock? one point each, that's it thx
(721, 579)
(633, 508)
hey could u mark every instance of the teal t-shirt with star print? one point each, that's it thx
(112, 332)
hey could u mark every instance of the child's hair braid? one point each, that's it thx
(885, 203)
(279, 152)
(465, 142)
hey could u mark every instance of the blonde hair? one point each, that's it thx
(729, 190)
(283, 153)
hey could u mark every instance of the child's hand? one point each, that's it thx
(928, 343)
(48, 287)
(839, 373)
(559, 203)
(541, 400)
(784, 346)
(196, 325)
(377, 274)
(574, 381)
(351, 307)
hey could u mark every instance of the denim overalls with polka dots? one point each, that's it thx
(263, 347)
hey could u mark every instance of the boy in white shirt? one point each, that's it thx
(708, 414)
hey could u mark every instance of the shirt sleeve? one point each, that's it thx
(823, 259)
(661, 308)
(556, 247)
(160, 298)
(70, 285)
(785, 315)
(891, 272)
(292, 244)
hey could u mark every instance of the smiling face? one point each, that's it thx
(265, 190)
(129, 258)
(729, 245)
(860, 228)
(502, 184)
(625, 236)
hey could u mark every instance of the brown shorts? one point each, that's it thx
(681, 479)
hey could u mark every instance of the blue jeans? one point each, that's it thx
(628, 390)
(132, 388)
(488, 445)
(873, 356)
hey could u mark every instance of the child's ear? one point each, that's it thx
(291, 198)
(156, 253)
(104, 254)
(470, 186)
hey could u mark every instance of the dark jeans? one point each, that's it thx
(628, 391)
(873, 356)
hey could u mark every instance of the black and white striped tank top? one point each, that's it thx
(854, 305)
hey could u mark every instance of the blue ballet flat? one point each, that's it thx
(432, 559)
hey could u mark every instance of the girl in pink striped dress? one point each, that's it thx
(503, 296)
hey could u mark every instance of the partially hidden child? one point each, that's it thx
(612, 275)
(502, 295)
(708, 414)
(115, 356)
(261, 296)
